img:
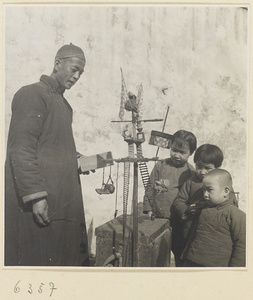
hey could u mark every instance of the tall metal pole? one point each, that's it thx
(135, 217)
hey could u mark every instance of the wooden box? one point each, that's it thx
(154, 242)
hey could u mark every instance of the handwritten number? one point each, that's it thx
(30, 289)
(40, 288)
(52, 288)
(16, 288)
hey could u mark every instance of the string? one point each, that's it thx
(116, 198)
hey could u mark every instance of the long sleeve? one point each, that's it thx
(28, 114)
(180, 204)
(238, 234)
(153, 176)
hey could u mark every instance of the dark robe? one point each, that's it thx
(42, 162)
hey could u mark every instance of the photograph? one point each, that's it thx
(125, 140)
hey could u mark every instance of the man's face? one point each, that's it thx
(203, 168)
(68, 71)
(179, 155)
(213, 190)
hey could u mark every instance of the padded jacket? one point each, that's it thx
(220, 237)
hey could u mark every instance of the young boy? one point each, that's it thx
(220, 236)
(189, 200)
(169, 175)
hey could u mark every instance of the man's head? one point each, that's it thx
(206, 158)
(217, 185)
(69, 65)
(183, 145)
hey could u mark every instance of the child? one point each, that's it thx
(220, 236)
(189, 200)
(169, 175)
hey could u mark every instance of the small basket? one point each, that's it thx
(160, 139)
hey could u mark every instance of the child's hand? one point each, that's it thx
(195, 208)
(151, 215)
(191, 210)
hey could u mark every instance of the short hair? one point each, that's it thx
(182, 136)
(223, 176)
(209, 154)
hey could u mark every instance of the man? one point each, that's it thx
(44, 214)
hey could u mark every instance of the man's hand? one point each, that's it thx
(79, 166)
(40, 212)
(87, 172)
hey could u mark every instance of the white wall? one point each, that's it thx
(199, 54)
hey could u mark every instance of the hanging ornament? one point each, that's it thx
(108, 187)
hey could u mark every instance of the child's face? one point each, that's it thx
(179, 155)
(214, 191)
(203, 168)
